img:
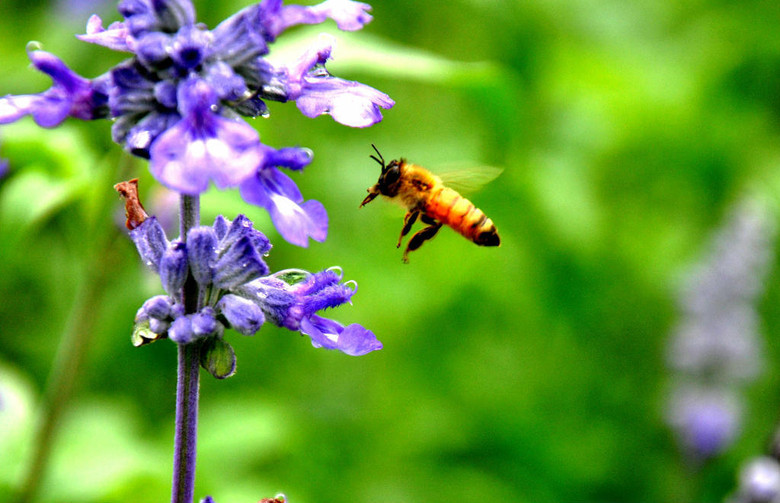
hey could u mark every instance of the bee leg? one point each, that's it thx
(409, 220)
(422, 236)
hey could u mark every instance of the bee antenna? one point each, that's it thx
(380, 160)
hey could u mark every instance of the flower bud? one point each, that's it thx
(173, 268)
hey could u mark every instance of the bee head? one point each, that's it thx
(387, 185)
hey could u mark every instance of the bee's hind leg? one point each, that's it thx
(409, 220)
(422, 236)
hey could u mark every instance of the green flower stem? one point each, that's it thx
(188, 380)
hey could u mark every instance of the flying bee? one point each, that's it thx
(425, 196)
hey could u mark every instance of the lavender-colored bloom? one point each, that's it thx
(70, 96)
(296, 220)
(716, 347)
(235, 290)
(292, 298)
(316, 92)
(178, 100)
(707, 420)
(204, 146)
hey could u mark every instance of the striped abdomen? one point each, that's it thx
(454, 210)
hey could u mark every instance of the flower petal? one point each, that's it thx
(70, 95)
(353, 340)
(317, 92)
(278, 194)
(116, 36)
(348, 15)
(204, 146)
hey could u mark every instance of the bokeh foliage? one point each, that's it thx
(529, 373)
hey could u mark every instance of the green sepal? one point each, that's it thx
(143, 335)
(218, 358)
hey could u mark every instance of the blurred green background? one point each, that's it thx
(533, 372)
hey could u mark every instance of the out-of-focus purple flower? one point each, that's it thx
(178, 100)
(759, 482)
(4, 167)
(78, 9)
(235, 291)
(707, 420)
(716, 346)
(70, 96)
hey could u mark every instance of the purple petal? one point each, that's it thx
(239, 264)
(48, 109)
(204, 146)
(348, 15)
(353, 340)
(116, 36)
(277, 193)
(241, 227)
(316, 92)
(70, 95)
(356, 340)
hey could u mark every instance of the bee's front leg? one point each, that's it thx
(422, 236)
(409, 220)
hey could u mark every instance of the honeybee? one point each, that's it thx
(426, 197)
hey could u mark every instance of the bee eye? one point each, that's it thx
(392, 175)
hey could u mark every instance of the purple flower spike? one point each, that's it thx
(70, 95)
(316, 92)
(204, 146)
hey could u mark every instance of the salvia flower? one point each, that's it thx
(715, 349)
(235, 290)
(179, 98)
(70, 95)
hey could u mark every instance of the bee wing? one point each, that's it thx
(467, 179)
